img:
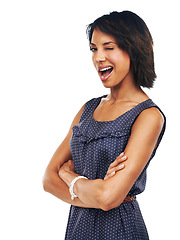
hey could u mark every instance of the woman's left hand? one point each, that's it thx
(116, 166)
(66, 167)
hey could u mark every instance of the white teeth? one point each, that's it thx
(105, 69)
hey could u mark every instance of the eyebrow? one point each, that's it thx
(106, 43)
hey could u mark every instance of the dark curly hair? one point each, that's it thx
(132, 35)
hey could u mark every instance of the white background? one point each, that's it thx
(46, 75)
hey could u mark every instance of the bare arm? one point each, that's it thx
(111, 193)
(51, 181)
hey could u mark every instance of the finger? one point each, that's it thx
(118, 160)
(70, 161)
(121, 155)
(110, 175)
(110, 171)
(119, 167)
(115, 169)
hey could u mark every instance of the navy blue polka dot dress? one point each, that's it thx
(94, 146)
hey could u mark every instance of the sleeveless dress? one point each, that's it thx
(94, 146)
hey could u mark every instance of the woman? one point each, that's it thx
(101, 165)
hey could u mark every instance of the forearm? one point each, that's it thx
(93, 193)
(88, 191)
(57, 187)
(102, 194)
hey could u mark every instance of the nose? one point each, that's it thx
(100, 57)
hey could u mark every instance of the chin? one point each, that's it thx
(109, 84)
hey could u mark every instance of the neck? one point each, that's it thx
(127, 91)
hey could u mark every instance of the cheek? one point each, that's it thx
(127, 63)
(121, 61)
(93, 60)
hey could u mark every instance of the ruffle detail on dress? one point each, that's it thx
(84, 138)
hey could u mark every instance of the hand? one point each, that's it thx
(116, 166)
(66, 167)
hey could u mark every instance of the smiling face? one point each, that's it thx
(112, 63)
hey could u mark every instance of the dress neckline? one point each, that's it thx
(111, 121)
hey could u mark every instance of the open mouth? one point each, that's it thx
(105, 72)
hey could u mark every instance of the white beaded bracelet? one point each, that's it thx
(72, 186)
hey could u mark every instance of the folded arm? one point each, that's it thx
(52, 183)
(110, 193)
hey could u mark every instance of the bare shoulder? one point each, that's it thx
(152, 114)
(151, 119)
(78, 116)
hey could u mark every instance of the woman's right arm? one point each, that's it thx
(51, 181)
(53, 184)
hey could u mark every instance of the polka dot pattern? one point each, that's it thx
(94, 146)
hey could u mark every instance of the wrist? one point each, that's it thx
(73, 195)
(68, 176)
